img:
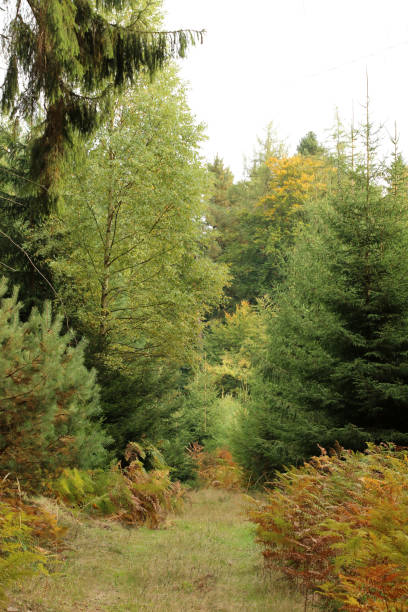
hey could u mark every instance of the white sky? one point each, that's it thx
(292, 62)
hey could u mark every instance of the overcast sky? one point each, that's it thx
(292, 62)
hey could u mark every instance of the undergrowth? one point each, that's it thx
(216, 469)
(29, 535)
(337, 527)
(132, 495)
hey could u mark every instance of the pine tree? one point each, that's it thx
(49, 401)
(68, 56)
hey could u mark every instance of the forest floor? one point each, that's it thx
(204, 560)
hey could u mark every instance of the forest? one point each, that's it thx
(169, 333)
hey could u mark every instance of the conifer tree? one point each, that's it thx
(309, 145)
(64, 59)
(49, 401)
(18, 206)
(337, 358)
(219, 214)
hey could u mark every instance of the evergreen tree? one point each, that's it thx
(219, 214)
(68, 56)
(336, 366)
(49, 401)
(309, 145)
(241, 243)
(18, 204)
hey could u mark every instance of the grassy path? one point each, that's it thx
(205, 560)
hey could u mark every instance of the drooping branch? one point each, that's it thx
(71, 58)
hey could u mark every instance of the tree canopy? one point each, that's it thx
(65, 59)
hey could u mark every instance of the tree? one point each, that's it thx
(240, 224)
(309, 145)
(49, 401)
(337, 360)
(261, 221)
(219, 208)
(230, 345)
(131, 228)
(294, 182)
(69, 56)
(128, 251)
(18, 205)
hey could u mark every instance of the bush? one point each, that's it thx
(216, 469)
(338, 527)
(133, 495)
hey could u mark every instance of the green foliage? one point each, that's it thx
(139, 402)
(240, 231)
(336, 361)
(71, 55)
(48, 400)
(202, 415)
(337, 525)
(232, 343)
(194, 416)
(130, 231)
(219, 211)
(128, 251)
(309, 145)
(134, 495)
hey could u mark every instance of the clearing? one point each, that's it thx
(204, 560)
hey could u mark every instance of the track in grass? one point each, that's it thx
(204, 560)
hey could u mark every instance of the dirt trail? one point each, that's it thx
(204, 560)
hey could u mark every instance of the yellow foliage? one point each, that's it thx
(294, 181)
(25, 528)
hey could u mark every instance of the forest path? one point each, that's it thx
(204, 560)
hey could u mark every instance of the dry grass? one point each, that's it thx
(205, 560)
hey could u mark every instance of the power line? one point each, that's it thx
(356, 60)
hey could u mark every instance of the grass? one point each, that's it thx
(205, 560)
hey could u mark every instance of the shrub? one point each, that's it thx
(216, 469)
(338, 527)
(133, 495)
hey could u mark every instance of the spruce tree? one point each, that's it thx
(309, 145)
(18, 206)
(219, 215)
(65, 57)
(336, 367)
